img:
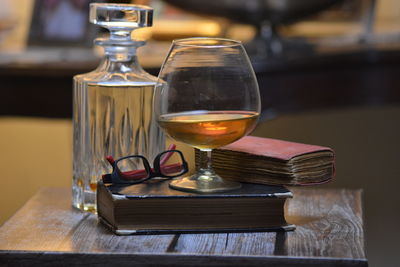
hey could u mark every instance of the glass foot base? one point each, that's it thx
(203, 183)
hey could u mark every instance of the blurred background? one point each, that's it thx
(328, 70)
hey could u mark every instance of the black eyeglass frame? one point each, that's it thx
(115, 176)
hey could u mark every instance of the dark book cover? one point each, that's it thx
(155, 208)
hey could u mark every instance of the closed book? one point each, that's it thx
(271, 161)
(154, 208)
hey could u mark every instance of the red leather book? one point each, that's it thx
(271, 161)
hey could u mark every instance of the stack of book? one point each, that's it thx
(264, 166)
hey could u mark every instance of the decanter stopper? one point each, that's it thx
(120, 15)
(120, 19)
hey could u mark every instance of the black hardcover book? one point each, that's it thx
(154, 208)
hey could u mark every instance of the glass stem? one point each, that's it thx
(206, 161)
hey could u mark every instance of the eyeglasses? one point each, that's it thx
(136, 168)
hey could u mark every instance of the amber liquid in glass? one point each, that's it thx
(208, 129)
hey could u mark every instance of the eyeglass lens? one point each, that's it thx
(171, 164)
(132, 168)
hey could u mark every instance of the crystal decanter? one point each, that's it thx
(112, 105)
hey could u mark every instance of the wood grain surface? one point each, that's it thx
(48, 232)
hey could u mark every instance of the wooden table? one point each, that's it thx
(48, 232)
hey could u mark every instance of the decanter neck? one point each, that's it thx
(120, 59)
(120, 35)
(120, 53)
(120, 46)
